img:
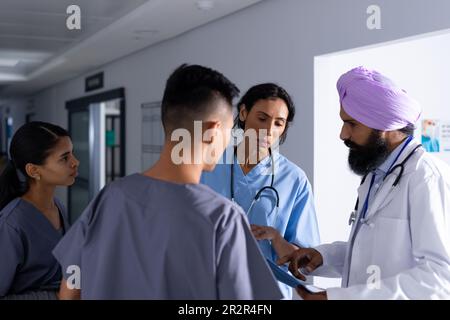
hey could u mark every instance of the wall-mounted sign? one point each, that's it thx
(431, 138)
(445, 136)
(436, 135)
(94, 82)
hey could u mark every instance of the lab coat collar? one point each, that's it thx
(387, 191)
(384, 167)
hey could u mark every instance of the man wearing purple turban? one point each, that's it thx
(399, 246)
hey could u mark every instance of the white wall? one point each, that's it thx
(419, 65)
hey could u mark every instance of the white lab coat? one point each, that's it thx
(406, 237)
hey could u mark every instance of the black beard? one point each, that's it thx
(366, 158)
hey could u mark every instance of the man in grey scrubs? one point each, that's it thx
(161, 234)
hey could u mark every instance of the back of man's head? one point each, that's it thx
(190, 95)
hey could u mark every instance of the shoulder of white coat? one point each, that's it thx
(428, 167)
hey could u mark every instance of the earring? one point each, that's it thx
(38, 177)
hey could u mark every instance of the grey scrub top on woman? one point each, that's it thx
(27, 239)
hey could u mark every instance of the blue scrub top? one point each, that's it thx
(27, 239)
(296, 218)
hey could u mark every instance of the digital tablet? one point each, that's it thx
(286, 278)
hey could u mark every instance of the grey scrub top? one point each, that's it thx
(27, 239)
(143, 238)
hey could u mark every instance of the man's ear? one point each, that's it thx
(210, 131)
(390, 134)
(242, 112)
(32, 170)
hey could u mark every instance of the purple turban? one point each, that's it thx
(375, 101)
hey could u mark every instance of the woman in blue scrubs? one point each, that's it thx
(32, 221)
(265, 113)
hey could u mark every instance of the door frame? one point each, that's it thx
(82, 103)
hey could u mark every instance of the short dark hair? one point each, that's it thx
(267, 91)
(189, 93)
(408, 130)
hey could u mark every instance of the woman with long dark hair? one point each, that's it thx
(274, 192)
(32, 221)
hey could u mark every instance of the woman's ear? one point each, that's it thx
(242, 112)
(32, 171)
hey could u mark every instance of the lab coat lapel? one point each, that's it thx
(387, 192)
(384, 195)
(362, 192)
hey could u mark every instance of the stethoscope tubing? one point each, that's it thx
(401, 165)
(258, 194)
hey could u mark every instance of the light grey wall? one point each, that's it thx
(17, 110)
(275, 40)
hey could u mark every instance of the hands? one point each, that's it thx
(279, 244)
(307, 295)
(264, 232)
(68, 294)
(306, 258)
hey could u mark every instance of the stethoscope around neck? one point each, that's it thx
(260, 191)
(400, 166)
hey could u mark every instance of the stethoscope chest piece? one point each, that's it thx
(259, 193)
(352, 218)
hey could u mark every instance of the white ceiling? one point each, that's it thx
(37, 50)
